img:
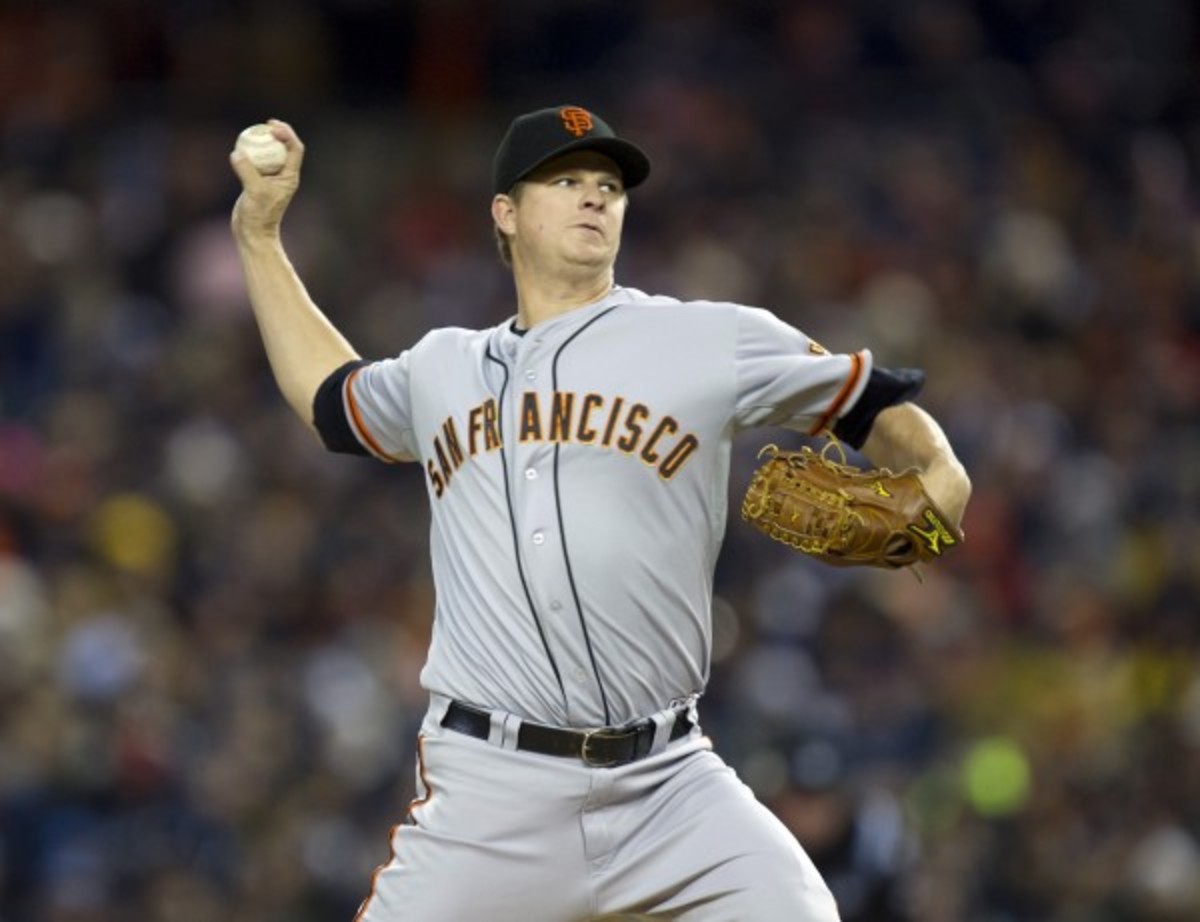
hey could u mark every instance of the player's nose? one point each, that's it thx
(593, 195)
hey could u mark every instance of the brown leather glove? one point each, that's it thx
(843, 515)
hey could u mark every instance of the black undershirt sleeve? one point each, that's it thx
(329, 412)
(886, 387)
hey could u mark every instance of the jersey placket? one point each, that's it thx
(536, 519)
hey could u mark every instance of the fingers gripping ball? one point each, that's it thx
(844, 515)
(263, 149)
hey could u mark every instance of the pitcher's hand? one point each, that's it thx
(259, 210)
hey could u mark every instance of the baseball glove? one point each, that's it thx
(844, 515)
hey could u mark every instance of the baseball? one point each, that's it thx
(264, 150)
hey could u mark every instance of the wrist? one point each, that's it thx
(254, 226)
(256, 238)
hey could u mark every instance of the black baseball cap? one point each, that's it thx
(536, 137)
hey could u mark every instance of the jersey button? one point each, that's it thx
(555, 605)
(538, 538)
(580, 674)
(530, 473)
(531, 375)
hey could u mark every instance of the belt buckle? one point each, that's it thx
(604, 733)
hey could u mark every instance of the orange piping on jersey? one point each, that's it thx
(856, 367)
(357, 420)
(413, 804)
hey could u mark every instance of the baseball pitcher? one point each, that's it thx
(576, 457)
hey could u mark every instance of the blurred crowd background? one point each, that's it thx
(210, 630)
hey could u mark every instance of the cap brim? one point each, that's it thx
(630, 159)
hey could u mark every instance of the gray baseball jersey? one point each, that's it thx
(577, 475)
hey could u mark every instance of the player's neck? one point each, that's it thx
(543, 297)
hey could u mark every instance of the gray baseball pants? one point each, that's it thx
(499, 835)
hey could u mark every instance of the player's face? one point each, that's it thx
(572, 210)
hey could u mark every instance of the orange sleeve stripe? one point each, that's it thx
(856, 368)
(356, 419)
(413, 804)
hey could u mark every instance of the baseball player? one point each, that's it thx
(576, 457)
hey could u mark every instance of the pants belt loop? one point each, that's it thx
(664, 722)
(504, 730)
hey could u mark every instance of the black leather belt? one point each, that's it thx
(603, 748)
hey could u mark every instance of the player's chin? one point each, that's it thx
(592, 257)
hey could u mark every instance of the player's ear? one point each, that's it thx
(504, 213)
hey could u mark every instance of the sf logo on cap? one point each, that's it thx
(577, 121)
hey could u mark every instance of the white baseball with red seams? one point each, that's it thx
(263, 149)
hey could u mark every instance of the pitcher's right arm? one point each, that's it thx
(303, 347)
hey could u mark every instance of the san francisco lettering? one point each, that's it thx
(564, 417)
